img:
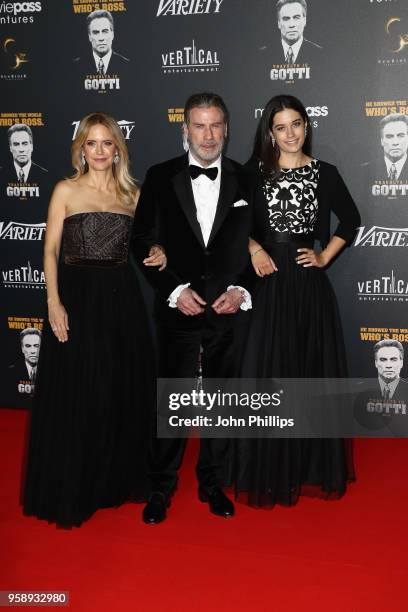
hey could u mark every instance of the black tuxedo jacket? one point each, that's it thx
(86, 65)
(166, 214)
(36, 174)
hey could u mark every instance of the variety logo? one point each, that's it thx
(127, 128)
(21, 231)
(25, 277)
(190, 59)
(377, 236)
(386, 288)
(188, 7)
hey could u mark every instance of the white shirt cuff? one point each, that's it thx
(173, 297)
(247, 303)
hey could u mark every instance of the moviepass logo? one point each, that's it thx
(20, 7)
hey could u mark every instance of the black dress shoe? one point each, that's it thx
(218, 502)
(155, 510)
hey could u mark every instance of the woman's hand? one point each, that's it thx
(309, 258)
(58, 318)
(262, 263)
(157, 257)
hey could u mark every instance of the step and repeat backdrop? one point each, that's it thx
(139, 60)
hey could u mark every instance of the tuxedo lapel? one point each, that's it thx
(184, 192)
(228, 190)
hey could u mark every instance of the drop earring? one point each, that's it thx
(305, 131)
(273, 141)
(83, 159)
(116, 158)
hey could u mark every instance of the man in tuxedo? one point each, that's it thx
(104, 60)
(196, 207)
(394, 141)
(295, 49)
(23, 169)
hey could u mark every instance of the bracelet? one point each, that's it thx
(255, 252)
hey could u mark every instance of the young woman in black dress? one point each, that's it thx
(95, 385)
(295, 330)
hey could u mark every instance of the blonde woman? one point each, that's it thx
(95, 385)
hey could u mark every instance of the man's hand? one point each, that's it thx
(228, 302)
(190, 303)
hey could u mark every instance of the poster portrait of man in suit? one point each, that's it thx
(394, 141)
(22, 168)
(383, 402)
(291, 21)
(288, 55)
(103, 60)
(24, 372)
(389, 360)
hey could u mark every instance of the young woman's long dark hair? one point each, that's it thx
(264, 151)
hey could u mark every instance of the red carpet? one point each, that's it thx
(332, 556)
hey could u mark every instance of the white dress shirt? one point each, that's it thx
(295, 48)
(398, 165)
(26, 170)
(206, 193)
(105, 60)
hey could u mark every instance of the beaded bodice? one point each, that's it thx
(96, 238)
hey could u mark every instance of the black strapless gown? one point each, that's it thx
(94, 394)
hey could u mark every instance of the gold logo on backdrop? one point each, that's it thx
(16, 58)
(402, 39)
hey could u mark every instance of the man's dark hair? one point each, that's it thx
(99, 15)
(281, 3)
(19, 127)
(386, 343)
(205, 100)
(391, 118)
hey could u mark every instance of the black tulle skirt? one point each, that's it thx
(295, 332)
(94, 398)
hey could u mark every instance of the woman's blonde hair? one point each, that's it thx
(126, 187)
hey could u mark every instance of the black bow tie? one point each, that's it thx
(195, 171)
